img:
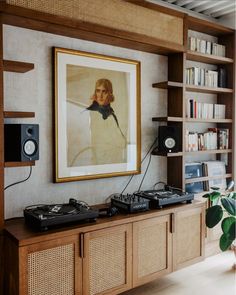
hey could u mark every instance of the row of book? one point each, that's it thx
(207, 47)
(213, 139)
(202, 110)
(201, 77)
(202, 169)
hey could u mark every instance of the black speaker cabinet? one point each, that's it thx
(169, 139)
(21, 142)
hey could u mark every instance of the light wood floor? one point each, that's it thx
(215, 275)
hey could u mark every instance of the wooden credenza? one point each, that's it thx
(109, 256)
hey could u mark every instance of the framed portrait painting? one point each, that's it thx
(97, 115)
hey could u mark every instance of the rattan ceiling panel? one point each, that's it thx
(116, 14)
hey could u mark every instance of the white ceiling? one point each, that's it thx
(212, 8)
(223, 11)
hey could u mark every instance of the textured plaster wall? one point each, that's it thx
(32, 91)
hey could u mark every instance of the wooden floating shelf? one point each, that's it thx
(19, 164)
(19, 114)
(227, 151)
(204, 89)
(157, 153)
(168, 119)
(206, 178)
(17, 66)
(208, 58)
(167, 84)
(208, 120)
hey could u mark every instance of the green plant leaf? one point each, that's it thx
(206, 196)
(232, 195)
(215, 201)
(226, 224)
(232, 231)
(225, 242)
(213, 215)
(214, 195)
(229, 205)
(215, 188)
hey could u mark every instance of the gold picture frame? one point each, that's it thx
(97, 116)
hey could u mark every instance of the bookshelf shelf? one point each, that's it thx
(17, 66)
(167, 85)
(18, 164)
(168, 119)
(18, 114)
(206, 178)
(204, 89)
(156, 153)
(227, 151)
(192, 120)
(208, 58)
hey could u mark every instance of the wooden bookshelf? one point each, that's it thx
(18, 164)
(177, 90)
(208, 58)
(167, 85)
(196, 120)
(206, 178)
(17, 66)
(227, 151)
(157, 153)
(204, 89)
(19, 114)
(167, 119)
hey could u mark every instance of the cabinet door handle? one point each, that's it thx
(81, 246)
(172, 223)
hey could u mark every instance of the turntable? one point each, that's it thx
(42, 217)
(159, 198)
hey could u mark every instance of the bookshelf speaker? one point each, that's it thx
(169, 139)
(21, 142)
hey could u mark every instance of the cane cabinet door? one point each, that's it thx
(51, 267)
(107, 260)
(152, 248)
(188, 237)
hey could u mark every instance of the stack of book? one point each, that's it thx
(214, 169)
(207, 47)
(201, 77)
(209, 169)
(213, 139)
(194, 170)
(200, 110)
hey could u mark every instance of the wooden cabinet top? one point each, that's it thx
(23, 235)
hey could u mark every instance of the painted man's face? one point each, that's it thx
(102, 95)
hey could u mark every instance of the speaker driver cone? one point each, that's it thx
(30, 147)
(170, 142)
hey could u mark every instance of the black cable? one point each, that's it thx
(149, 161)
(141, 163)
(20, 180)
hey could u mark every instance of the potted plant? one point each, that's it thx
(221, 204)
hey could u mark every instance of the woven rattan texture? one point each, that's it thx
(152, 249)
(51, 271)
(188, 238)
(107, 266)
(113, 13)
